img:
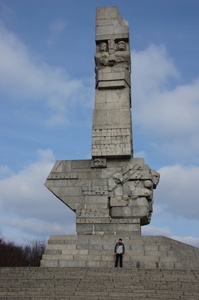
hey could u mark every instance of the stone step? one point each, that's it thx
(98, 283)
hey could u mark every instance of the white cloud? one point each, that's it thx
(163, 108)
(5, 171)
(56, 29)
(190, 240)
(166, 231)
(152, 69)
(178, 191)
(28, 207)
(25, 78)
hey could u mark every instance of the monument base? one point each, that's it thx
(148, 252)
(108, 226)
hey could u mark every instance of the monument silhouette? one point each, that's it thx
(111, 193)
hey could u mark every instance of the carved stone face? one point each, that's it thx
(103, 47)
(121, 46)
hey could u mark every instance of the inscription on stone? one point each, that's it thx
(98, 162)
(63, 175)
(94, 190)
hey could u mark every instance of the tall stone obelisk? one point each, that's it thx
(112, 126)
(112, 193)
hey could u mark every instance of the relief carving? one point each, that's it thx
(133, 187)
(102, 57)
(98, 162)
(122, 56)
(114, 56)
(94, 190)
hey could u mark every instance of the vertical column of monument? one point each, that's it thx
(112, 125)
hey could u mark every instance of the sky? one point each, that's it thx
(47, 94)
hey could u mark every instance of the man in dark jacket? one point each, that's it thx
(119, 251)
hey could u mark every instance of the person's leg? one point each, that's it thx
(116, 260)
(121, 260)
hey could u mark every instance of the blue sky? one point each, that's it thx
(47, 52)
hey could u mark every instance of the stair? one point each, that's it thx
(97, 284)
(91, 251)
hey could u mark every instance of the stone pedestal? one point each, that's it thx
(143, 252)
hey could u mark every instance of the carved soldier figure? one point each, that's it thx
(102, 57)
(122, 56)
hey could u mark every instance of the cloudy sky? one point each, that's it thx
(47, 96)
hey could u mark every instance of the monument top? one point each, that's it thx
(109, 23)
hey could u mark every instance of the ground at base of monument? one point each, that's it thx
(97, 284)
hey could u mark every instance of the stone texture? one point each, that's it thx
(83, 283)
(101, 194)
(112, 126)
(112, 188)
(148, 252)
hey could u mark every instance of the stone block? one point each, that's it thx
(69, 191)
(58, 166)
(151, 248)
(107, 13)
(64, 246)
(72, 264)
(96, 200)
(108, 258)
(84, 228)
(78, 165)
(110, 99)
(150, 265)
(75, 252)
(97, 264)
(66, 166)
(104, 30)
(111, 84)
(135, 253)
(49, 263)
(167, 265)
(53, 252)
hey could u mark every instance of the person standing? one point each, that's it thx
(119, 251)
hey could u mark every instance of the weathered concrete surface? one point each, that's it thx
(112, 193)
(112, 125)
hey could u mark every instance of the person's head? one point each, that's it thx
(121, 46)
(103, 47)
(120, 240)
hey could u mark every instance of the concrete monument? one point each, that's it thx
(112, 193)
